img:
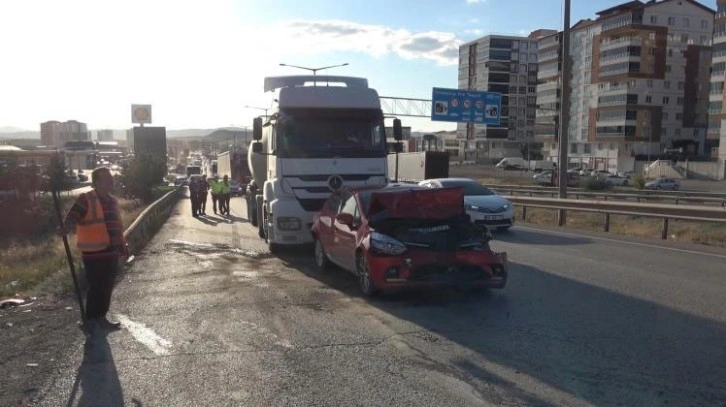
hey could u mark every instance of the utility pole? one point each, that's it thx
(564, 111)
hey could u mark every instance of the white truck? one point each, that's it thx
(326, 132)
(418, 166)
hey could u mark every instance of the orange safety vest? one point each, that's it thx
(92, 233)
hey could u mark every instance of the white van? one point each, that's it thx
(513, 163)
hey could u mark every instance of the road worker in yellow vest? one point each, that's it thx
(101, 241)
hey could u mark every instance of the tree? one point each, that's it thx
(55, 175)
(140, 176)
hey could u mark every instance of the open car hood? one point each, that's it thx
(437, 203)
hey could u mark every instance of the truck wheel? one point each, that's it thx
(251, 212)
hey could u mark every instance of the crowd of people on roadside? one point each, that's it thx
(200, 188)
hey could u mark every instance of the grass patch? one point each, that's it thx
(681, 231)
(26, 263)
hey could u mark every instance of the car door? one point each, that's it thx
(345, 236)
(326, 217)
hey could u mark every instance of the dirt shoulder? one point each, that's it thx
(36, 338)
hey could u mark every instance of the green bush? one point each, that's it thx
(139, 178)
(594, 184)
(638, 181)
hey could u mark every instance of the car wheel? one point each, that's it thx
(321, 259)
(367, 287)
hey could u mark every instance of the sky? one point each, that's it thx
(199, 63)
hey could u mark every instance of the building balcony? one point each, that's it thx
(544, 87)
(614, 59)
(620, 42)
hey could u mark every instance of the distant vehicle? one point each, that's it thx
(663, 183)
(181, 180)
(404, 235)
(545, 179)
(541, 165)
(613, 179)
(483, 206)
(513, 163)
(626, 174)
(236, 188)
(194, 170)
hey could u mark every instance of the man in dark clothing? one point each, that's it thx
(101, 240)
(203, 188)
(194, 186)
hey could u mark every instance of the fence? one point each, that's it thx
(607, 208)
(151, 219)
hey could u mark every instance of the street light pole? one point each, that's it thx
(314, 70)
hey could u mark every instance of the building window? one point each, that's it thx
(649, 83)
(648, 99)
(684, 38)
(653, 19)
(704, 23)
(671, 21)
(531, 89)
(685, 22)
(573, 148)
(667, 84)
(680, 85)
(679, 101)
(679, 116)
(665, 100)
(665, 115)
(524, 45)
(668, 68)
(678, 132)
(670, 52)
(704, 40)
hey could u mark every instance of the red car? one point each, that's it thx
(404, 235)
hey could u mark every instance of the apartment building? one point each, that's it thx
(104, 135)
(716, 109)
(508, 65)
(640, 84)
(56, 134)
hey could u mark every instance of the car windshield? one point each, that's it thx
(315, 133)
(471, 188)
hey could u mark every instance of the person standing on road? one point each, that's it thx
(203, 188)
(226, 193)
(100, 238)
(216, 187)
(194, 194)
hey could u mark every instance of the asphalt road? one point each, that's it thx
(210, 318)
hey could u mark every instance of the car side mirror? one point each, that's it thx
(345, 218)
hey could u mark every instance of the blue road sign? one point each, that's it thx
(468, 106)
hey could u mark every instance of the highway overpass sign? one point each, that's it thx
(467, 106)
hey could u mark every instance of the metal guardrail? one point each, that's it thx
(607, 208)
(148, 221)
(637, 195)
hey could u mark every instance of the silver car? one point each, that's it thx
(663, 183)
(482, 205)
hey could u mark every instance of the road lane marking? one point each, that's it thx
(146, 336)
(624, 242)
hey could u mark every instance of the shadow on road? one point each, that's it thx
(97, 377)
(564, 337)
(529, 236)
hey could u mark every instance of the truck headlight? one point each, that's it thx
(386, 244)
(286, 187)
(288, 223)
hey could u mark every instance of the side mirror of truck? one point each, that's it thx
(396, 147)
(397, 130)
(257, 128)
(257, 147)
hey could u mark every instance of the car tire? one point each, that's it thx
(321, 259)
(365, 282)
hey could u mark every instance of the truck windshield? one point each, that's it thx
(320, 133)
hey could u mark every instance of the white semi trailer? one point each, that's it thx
(326, 132)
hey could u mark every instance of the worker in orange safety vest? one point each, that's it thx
(101, 241)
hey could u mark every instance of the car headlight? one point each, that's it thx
(505, 206)
(471, 207)
(386, 244)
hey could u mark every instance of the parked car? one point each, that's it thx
(404, 235)
(663, 183)
(513, 163)
(235, 188)
(543, 178)
(482, 205)
(613, 179)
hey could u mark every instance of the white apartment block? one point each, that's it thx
(716, 108)
(508, 65)
(56, 134)
(104, 135)
(640, 84)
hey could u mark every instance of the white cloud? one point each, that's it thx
(375, 40)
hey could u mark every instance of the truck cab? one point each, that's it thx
(324, 134)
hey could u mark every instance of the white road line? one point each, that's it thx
(624, 242)
(146, 336)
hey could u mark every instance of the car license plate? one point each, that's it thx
(492, 217)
